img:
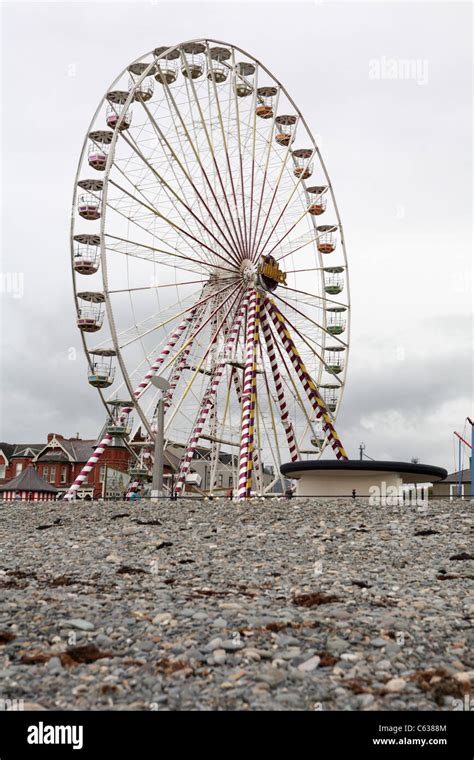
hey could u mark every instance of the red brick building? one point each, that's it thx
(60, 460)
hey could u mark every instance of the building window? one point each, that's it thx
(19, 467)
(102, 473)
(45, 472)
(220, 481)
(52, 476)
(63, 474)
(230, 481)
(3, 469)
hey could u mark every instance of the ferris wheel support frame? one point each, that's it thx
(208, 398)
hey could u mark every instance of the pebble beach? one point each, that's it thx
(299, 604)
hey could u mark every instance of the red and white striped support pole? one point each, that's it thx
(308, 383)
(92, 461)
(256, 458)
(284, 414)
(207, 402)
(141, 388)
(248, 405)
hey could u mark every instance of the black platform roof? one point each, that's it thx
(312, 465)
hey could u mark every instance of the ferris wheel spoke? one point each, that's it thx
(155, 214)
(252, 179)
(173, 317)
(166, 219)
(225, 141)
(175, 337)
(245, 252)
(173, 254)
(154, 236)
(293, 246)
(265, 173)
(231, 249)
(198, 157)
(288, 232)
(183, 217)
(157, 287)
(308, 319)
(274, 195)
(296, 186)
(188, 171)
(311, 296)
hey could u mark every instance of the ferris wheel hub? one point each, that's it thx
(248, 272)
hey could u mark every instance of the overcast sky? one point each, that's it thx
(397, 143)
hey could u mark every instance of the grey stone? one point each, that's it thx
(379, 642)
(80, 623)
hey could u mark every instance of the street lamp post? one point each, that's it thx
(157, 480)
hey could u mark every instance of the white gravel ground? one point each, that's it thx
(284, 605)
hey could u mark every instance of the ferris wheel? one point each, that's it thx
(207, 248)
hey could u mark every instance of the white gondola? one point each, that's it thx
(330, 395)
(98, 148)
(303, 167)
(326, 238)
(136, 469)
(115, 116)
(319, 435)
(243, 79)
(89, 202)
(192, 65)
(336, 323)
(86, 258)
(90, 314)
(333, 280)
(120, 422)
(334, 359)
(143, 91)
(101, 368)
(217, 68)
(167, 65)
(318, 200)
(285, 129)
(265, 100)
